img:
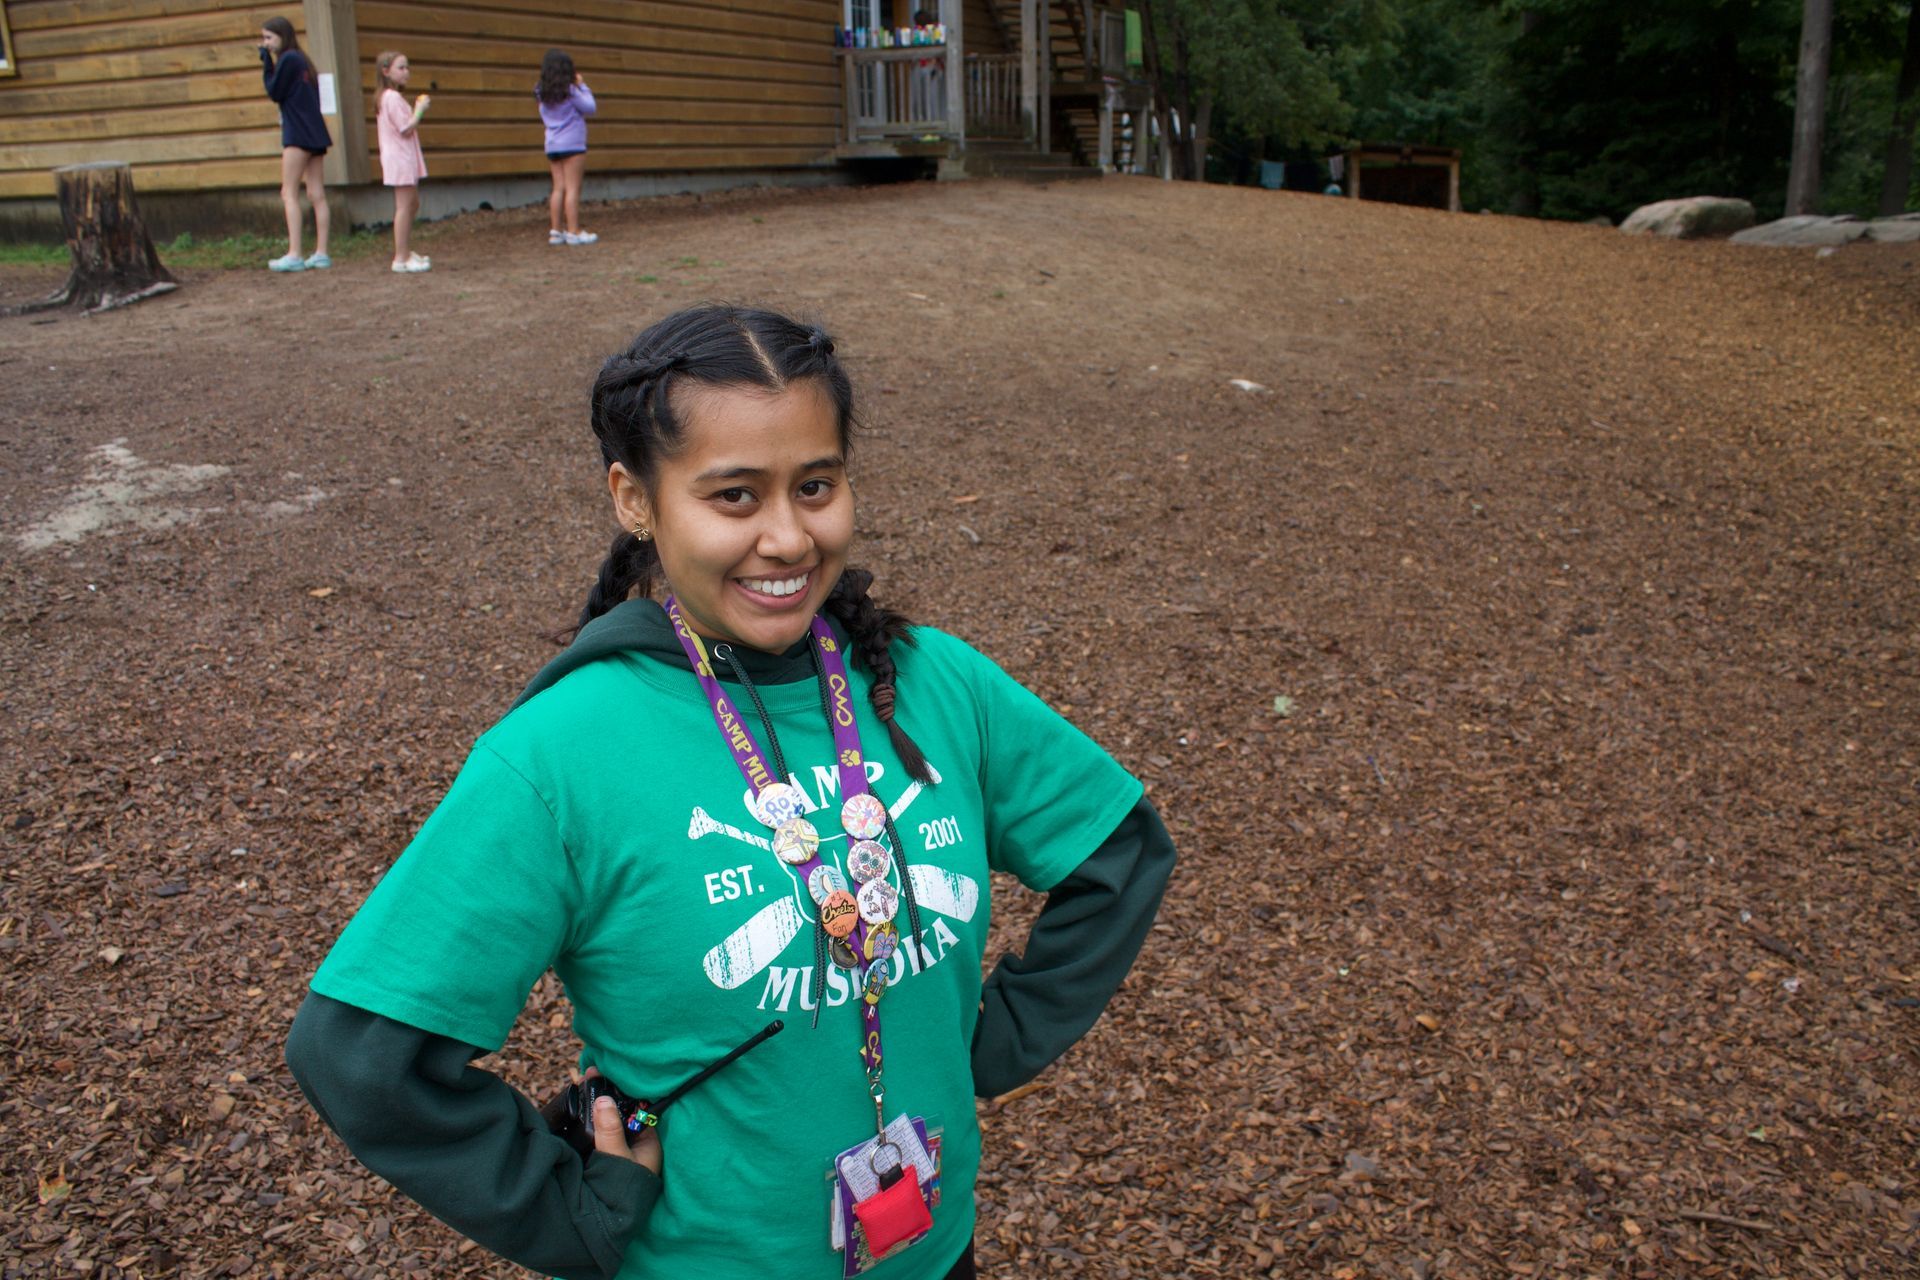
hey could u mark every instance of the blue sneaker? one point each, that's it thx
(319, 262)
(288, 262)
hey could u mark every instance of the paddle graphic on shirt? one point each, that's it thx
(746, 952)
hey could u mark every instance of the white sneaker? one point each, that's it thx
(556, 237)
(583, 237)
(412, 265)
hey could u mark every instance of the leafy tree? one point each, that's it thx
(1433, 78)
(1626, 106)
(1874, 108)
(1274, 63)
(1562, 108)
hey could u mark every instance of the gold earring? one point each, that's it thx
(641, 533)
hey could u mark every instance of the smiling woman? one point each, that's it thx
(751, 513)
(694, 419)
(644, 822)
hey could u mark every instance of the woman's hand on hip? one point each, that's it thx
(610, 1135)
(610, 1138)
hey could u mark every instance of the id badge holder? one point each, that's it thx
(896, 1214)
(883, 1194)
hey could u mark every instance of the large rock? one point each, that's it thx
(1806, 230)
(1901, 228)
(1695, 218)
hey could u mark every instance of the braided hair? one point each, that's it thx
(635, 420)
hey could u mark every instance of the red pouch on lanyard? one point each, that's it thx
(894, 1215)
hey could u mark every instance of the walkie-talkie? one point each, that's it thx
(569, 1112)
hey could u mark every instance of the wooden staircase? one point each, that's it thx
(1075, 85)
(891, 113)
(1018, 159)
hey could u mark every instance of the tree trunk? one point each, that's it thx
(1898, 176)
(1526, 193)
(1810, 106)
(1202, 126)
(114, 264)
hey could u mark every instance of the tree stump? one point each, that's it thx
(114, 264)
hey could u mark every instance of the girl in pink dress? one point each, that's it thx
(401, 164)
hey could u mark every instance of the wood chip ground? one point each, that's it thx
(1526, 668)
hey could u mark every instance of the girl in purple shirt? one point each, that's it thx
(565, 102)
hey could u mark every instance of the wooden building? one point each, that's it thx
(693, 93)
(1400, 173)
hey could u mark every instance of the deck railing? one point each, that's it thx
(993, 93)
(897, 93)
(906, 93)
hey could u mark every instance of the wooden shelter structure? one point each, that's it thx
(693, 93)
(1400, 173)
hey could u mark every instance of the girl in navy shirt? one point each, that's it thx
(291, 82)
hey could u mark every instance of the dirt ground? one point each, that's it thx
(1527, 673)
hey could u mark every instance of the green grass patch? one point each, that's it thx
(33, 255)
(188, 250)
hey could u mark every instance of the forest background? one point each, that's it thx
(1563, 108)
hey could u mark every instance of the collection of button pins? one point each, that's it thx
(796, 842)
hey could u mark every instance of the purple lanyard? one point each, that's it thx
(848, 761)
(846, 734)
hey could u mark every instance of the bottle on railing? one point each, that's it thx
(889, 37)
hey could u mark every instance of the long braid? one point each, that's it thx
(872, 628)
(630, 564)
(629, 387)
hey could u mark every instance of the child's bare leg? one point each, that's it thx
(576, 167)
(293, 163)
(317, 193)
(406, 203)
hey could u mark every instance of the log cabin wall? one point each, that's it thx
(173, 87)
(681, 85)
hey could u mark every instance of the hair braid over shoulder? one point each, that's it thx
(873, 628)
(629, 564)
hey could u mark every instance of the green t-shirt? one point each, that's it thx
(601, 829)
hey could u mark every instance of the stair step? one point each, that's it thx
(1062, 173)
(1018, 164)
(1031, 160)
